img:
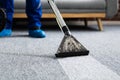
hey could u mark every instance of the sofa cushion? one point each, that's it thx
(81, 4)
(68, 5)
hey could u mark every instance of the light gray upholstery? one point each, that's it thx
(76, 6)
(112, 7)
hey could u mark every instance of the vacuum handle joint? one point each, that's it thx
(66, 30)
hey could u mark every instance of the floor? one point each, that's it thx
(25, 58)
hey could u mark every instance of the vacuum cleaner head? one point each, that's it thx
(2, 19)
(71, 47)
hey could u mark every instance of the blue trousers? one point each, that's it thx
(33, 11)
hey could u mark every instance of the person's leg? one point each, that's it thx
(34, 13)
(8, 5)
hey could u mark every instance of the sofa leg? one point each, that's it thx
(99, 21)
(85, 22)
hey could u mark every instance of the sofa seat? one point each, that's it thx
(81, 5)
(67, 6)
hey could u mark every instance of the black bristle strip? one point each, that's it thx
(71, 54)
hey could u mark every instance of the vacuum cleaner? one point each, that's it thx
(69, 46)
(2, 19)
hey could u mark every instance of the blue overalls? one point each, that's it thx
(33, 11)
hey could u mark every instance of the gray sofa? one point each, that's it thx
(75, 9)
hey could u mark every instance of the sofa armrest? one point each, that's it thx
(112, 8)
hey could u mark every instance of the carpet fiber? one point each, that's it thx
(26, 58)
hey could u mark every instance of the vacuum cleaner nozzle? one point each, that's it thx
(71, 47)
